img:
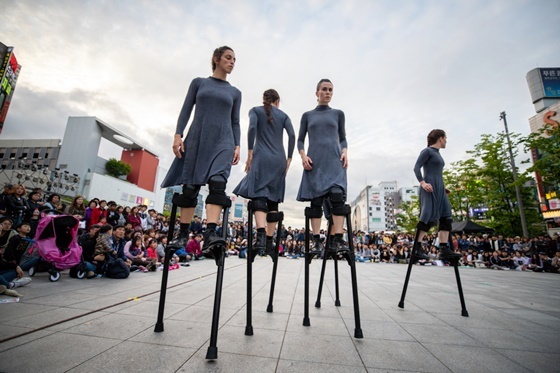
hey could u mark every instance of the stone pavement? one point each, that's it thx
(105, 325)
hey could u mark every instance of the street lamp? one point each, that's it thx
(517, 190)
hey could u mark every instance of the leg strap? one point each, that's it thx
(424, 227)
(258, 205)
(313, 212)
(274, 217)
(445, 224)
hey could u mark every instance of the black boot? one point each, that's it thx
(445, 252)
(270, 246)
(259, 244)
(318, 246)
(211, 239)
(338, 244)
(418, 253)
(180, 241)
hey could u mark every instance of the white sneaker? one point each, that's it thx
(19, 282)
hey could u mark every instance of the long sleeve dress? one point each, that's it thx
(433, 205)
(267, 176)
(327, 138)
(212, 135)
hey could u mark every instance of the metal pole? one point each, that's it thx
(517, 190)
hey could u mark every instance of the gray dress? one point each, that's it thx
(434, 205)
(213, 133)
(267, 175)
(327, 138)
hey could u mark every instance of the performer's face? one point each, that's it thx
(226, 62)
(324, 94)
(443, 141)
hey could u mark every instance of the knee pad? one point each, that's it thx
(217, 191)
(272, 206)
(189, 197)
(337, 200)
(314, 212)
(445, 224)
(274, 217)
(258, 204)
(424, 227)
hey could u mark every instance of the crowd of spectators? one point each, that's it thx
(136, 237)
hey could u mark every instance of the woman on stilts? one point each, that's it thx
(325, 164)
(209, 150)
(435, 208)
(266, 166)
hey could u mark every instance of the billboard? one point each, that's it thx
(9, 72)
(551, 82)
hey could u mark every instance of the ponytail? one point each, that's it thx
(269, 97)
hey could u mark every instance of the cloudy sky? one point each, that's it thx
(399, 68)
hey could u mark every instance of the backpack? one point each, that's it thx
(117, 269)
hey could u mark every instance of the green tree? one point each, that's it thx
(497, 180)
(545, 145)
(407, 218)
(117, 168)
(466, 188)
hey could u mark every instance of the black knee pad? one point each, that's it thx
(274, 217)
(314, 212)
(445, 224)
(189, 197)
(217, 191)
(424, 227)
(272, 206)
(258, 204)
(337, 200)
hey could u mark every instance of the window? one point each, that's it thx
(378, 209)
(12, 155)
(35, 155)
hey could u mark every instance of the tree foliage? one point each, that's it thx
(117, 168)
(408, 217)
(467, 190)
(546, 146)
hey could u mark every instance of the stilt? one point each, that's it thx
(165, 275)
(250, 258)
(218, 252)
(279, 218)
(350, 258)
(454, 262)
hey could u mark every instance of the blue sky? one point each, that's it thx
(399, 68)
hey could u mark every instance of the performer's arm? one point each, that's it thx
(251, 135)
(184, 116)
(342, 138)
(291, 141)
(422, 159)
(306, 161)
(236, 127)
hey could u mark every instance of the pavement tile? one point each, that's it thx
(535, 361)
(228, 363)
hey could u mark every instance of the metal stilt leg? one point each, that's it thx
(165, 275)
(308, 258)
(274, 257)
(218, 252)
(409, 269)
(250, 258)
(455, 263)
(326, 255)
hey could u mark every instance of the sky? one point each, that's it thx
(399, 69)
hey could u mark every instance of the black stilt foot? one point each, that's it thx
(464, 313)
(306, 321)
(158, 328)
(401, 304)
(317, 304)
(358, 333)
(337, 303)
(269, 308)
(212, 353)
(248, 330)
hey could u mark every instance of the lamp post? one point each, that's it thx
(514, 169)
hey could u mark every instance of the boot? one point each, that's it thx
(270, 247)
(318, 246)
(418, 253)
(338, 244)
(445, 252)
(211, 239)
(180, 241)
(259, 244)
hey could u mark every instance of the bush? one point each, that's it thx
(117, 168)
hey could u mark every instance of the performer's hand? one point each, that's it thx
(307, 162)
(447, 191)
(248, 164)
(178, 146)
(344, 158)
(426, 186)
(288, 162)
(235, 156)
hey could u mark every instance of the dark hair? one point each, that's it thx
(105, 228)
(218, 52)
(269, 97)
(434, 136)
(321, 82)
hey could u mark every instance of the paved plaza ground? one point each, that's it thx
(105, 325)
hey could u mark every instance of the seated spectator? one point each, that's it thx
(6, 232)
(506, 259)
(152, 251)
(194, 248)
(103, 246)
(385, 256)
(375, 253)
(16, 203)
(176, 257)
(134, 219)
(18, 245)
(134, 251)
(496, 262)
(520, 261)
(87, 242)
(486, 259)
(11, 274)
(555, 262)
(112, 214)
